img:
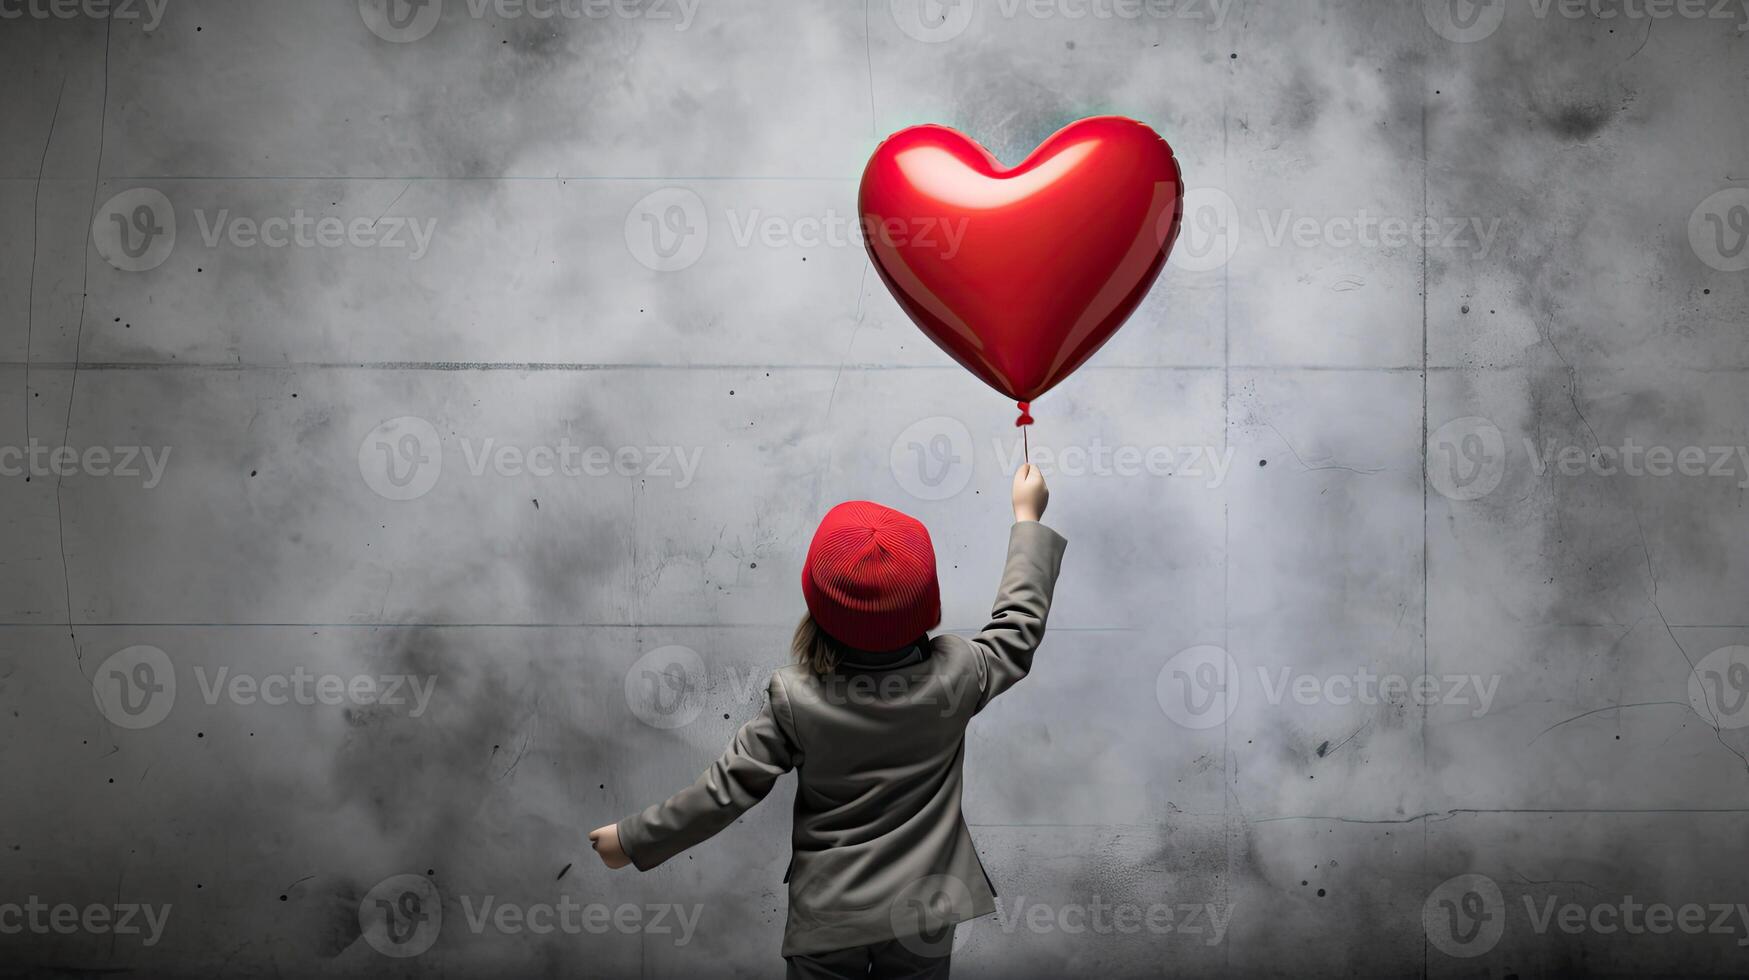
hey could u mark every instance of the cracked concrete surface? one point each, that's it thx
(510, 359)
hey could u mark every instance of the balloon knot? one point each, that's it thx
(1025, 416)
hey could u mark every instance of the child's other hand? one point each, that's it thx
(605, 840)
(1030, 493)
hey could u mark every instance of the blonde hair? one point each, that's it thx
(814, 648)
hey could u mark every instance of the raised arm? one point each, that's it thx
(763, 750)
(1006, 644)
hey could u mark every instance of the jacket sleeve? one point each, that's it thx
(763, 750)
(1005, 646)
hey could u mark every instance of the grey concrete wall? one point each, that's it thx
(1353, 452)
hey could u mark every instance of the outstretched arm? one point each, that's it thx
(763, 750)
(1023, 602)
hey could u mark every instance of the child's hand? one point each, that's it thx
(1030, 493)
(605, 840)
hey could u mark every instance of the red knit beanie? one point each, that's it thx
(870, 577)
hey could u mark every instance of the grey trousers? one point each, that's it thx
(889, 960)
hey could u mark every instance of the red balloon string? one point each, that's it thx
(1025, 418)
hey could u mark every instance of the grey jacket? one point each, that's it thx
(880, 849)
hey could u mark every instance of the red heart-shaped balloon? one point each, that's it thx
(1022, 273)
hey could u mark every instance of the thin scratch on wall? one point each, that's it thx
(1309, 468)
(78, 344)
(30, 284)
(397, 200)
(868, 55)
(1650, 23)
(1326, 749)
(855, 327)
(1640, 529)
(1607, 707)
